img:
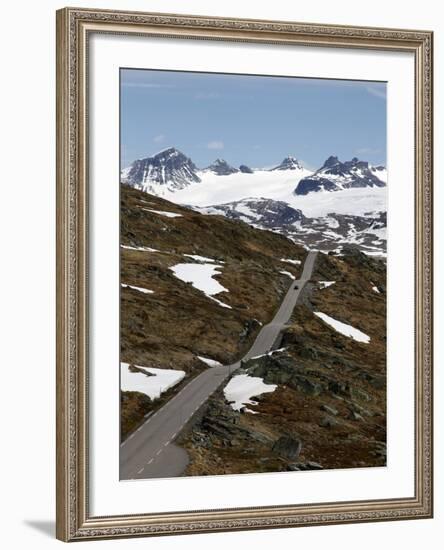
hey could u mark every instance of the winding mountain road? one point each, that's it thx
(149, 452)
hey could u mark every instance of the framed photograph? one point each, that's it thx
(244, 274)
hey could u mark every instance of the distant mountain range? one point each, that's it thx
(174, 171)
(270, 198)
(335, 175)
(328, 233)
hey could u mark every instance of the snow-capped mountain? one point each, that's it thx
(335, 175)
(245, 169)
(328, 232)
(380, 172)
(287, 199)
(221, 168)
(289, 163)
(169, 170)
(263, 213)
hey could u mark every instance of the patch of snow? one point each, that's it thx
(164, 213)
(209, 362)
(289, 261)
(375, 289)
(159, 382)
(380, 232)
(331, 222)
(139, 248)
(199, 258)
(375, 253)
(276, 351)
(288, 274)
(280, 185)
(343, 328)
(201, 277)
(220, 303)
(216, 189)
(246, 210)
(242, 387)
(326, 284)
(269, 353)
(138, 288)
(380, 174)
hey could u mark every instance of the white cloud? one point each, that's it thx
(216, 145)
(159, 139)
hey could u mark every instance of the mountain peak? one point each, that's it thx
(245, 169)
(289, 163)
(331, 161)
(170, 149)
(169, 169)
(221, 168)
(335, 175)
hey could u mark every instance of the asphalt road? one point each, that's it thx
(149, 452)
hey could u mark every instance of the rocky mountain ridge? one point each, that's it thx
(335, 175)
(328, 233)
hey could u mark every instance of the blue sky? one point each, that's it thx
(253, 120)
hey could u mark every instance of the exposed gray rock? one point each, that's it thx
(328, 422)
(245, 169)
(335, 175)
(287, 447)
(360, 395)
(282, 369)
(169, 168)
(355, 415)
(304, 466)
(330, 410)
(221, 167)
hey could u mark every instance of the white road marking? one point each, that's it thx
(140, 471)
(165, 444)
(150, 461)
(159, 451)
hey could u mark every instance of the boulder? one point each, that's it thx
(328, 422)
(282, 369)
(353, 415)
(329, 410)
(360, 395)
(287, 447)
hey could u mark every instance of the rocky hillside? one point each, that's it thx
(194, 288)
(321, 401)
(332, 232)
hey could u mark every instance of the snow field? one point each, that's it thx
(242, 387)
(343, 328)
(152, 386)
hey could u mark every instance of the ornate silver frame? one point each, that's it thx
(74, 521)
